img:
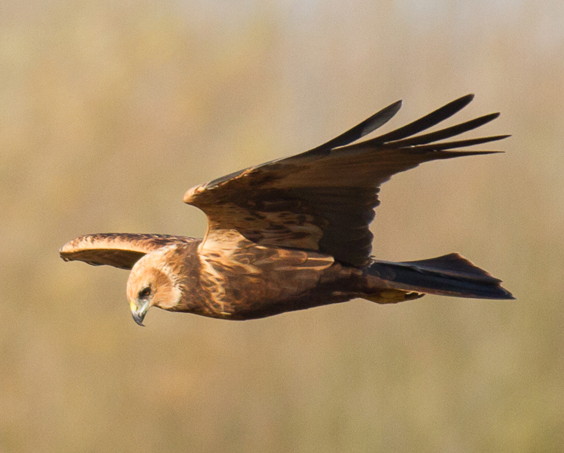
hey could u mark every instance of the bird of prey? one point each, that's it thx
(293, 233)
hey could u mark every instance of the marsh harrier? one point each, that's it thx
(293, 233)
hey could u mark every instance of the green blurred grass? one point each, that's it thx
(110, 111)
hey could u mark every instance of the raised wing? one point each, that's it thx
(116, 249)
(324, 199)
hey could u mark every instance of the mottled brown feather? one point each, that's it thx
(323, 200)
(120, 250)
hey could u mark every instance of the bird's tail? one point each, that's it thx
(450, 275)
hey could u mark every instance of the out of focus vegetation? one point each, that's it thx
(110, 110)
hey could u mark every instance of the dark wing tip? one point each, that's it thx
(425, 122)
(455, 144)
(464, 100)
(360, 130)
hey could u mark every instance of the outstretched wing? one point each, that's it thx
(116, 249)
(324, 199)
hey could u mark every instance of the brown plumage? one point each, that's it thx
(294, 233)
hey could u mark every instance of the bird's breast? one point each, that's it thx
(249, 278)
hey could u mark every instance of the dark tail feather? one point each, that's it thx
(449, 275)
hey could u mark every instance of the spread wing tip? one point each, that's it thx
(360, 130)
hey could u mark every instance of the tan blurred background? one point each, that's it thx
(111, 110)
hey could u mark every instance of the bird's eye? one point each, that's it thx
(145, 292)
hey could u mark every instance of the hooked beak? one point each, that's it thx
(139, 311)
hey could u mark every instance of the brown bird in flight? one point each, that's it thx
(293, 233)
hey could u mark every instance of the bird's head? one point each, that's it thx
(153, 282)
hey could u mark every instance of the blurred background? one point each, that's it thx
(111, 110)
